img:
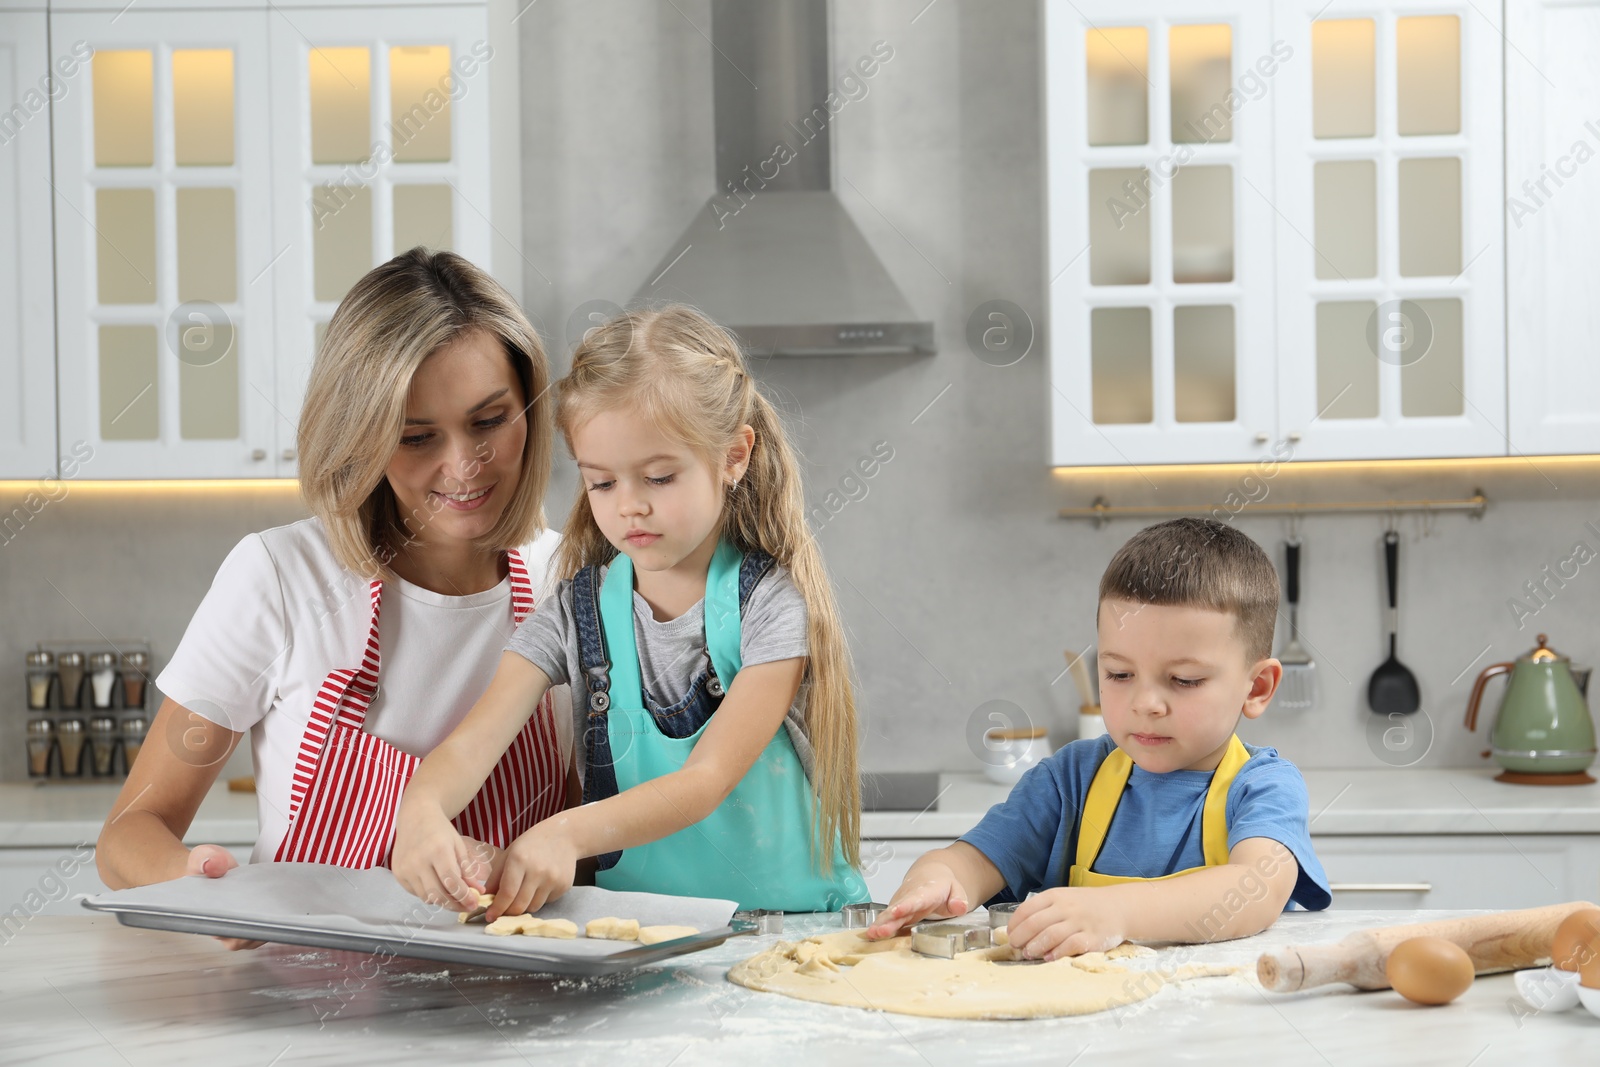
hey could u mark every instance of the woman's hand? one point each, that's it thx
(484, 865)
(429, 858)
(214, 861)
(539, 867)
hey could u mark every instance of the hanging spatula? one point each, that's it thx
(1392, 689)
(1298, 690)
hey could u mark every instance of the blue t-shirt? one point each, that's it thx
(1032, 836)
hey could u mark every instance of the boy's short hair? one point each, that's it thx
(1200, 563)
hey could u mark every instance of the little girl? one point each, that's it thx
(697, 628)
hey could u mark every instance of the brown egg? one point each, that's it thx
(1589, 973)
(1577, 939)
(1429, 970)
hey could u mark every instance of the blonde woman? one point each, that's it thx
(697, 623)
(351, 643)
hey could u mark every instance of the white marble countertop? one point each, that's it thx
(59, 815)
(1343, 803)
(86, 990)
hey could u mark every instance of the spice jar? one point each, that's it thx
(41, 676)
(102, 745)
(102, 678)
(69, 735)
(135, 671)
(69, 668)
(41, 739)
(133, 731)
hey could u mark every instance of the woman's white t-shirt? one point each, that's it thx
(282, 614)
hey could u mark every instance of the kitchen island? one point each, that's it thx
(83, 989)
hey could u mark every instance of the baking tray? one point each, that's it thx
(323, 906)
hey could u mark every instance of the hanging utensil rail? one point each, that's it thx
(1103, 511)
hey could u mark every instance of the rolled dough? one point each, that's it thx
(654, 935)
(844, 968)
(613, 929)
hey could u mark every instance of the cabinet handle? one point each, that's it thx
(288, 455)
(258, 454)
(1262, 437)
(1381, 887)
(1294, 437)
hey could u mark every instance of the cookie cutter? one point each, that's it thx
(1000, 915)
(766, 922)
(861, 916)
(946, 939)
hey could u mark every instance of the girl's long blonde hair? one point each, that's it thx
(686, 374)
(391, 320)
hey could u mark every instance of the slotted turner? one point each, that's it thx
(1298, 690)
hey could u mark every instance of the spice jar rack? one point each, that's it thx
(87, 708)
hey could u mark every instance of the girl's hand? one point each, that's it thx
(214, 861)
(1068, 922)
(930, 889)
(539, 867)
(429, 858)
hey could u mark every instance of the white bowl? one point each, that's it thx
(1008, 759)
(1548, 989)
(1591, 1000)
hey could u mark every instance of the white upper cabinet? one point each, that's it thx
(28, 77)
(1553, 225)
(1159, 238)
(1274, 227)
(1391, 329)
(224, 173)
(380, 142)
(162, 237)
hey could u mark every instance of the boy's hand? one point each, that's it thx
(429, 858)
(1068, 922)
(538, 867)
(930, 889)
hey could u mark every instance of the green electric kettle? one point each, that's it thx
(1543, 734)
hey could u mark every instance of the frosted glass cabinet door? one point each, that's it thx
(27, 330)
(1158, 122)
(1390, 246)
(163, 244)
(1553, 227)
(380, 142)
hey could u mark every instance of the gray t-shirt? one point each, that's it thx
(772, 626)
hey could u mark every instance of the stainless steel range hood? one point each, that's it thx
(774, 256)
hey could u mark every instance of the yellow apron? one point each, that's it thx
(1105, 791)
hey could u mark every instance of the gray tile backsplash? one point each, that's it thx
(958, 583)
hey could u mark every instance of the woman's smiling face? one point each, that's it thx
(459, 457)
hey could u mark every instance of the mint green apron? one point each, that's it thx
(756, 847)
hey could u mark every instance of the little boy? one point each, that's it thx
(1210, 837)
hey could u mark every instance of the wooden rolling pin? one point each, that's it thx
(1499, 942)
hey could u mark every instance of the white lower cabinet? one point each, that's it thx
(885, 861)
(1385, 872)
(51, 881)
(1460, 871)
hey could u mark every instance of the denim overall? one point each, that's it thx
(756, 847)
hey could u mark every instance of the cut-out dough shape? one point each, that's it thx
(527, 925)
(654, 935)
(613, 929)
(845, 969)
(477, 910)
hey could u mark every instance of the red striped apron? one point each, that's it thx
(347, 782)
